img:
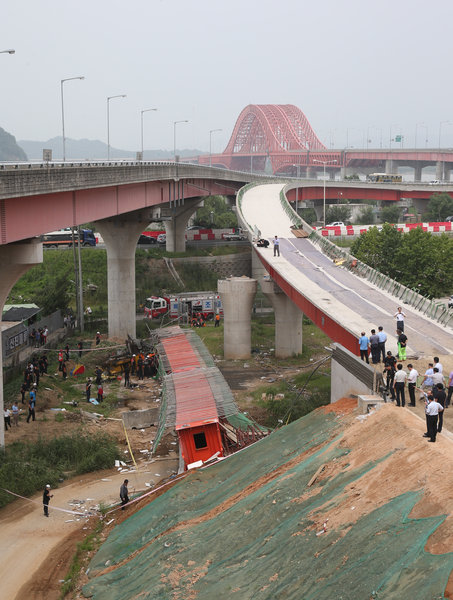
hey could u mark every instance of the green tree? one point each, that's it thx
(366, 216)
(390, 214)
(440, 206)
(215, 213)
(54, 294)
(337, 213)
(308, 215)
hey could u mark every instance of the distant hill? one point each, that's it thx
(91, 150)
(9, 149)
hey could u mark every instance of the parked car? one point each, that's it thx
(146, 239)
(162, 238)
(449, 219)
(336, 224)
(450, 302)
(233, 237)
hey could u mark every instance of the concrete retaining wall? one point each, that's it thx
(230, 265)
(351, 376)
(140, 419)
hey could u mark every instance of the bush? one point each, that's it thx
(27, 467)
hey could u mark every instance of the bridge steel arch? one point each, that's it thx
(277, 131)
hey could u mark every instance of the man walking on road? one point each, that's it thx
(276, 243)
(124, 493)
(46, 499)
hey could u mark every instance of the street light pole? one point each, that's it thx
(440, 129)
(417, 125)
(141, 123)
(108, 120)
(62, 108)
(174, 136)
(210, 144)
(324, 163)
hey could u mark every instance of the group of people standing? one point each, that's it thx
(436, 399)
(375, 343)
(38, 337)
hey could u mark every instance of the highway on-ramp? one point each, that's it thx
(346, 301)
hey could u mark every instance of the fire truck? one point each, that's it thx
(206, 304)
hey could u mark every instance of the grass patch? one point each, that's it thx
(27, 467)
(91, 542)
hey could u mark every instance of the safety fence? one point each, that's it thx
(430, 307)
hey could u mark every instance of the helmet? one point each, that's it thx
(47, 486)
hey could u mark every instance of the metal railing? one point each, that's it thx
(431, 308)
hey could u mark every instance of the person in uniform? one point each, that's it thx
(46, 499)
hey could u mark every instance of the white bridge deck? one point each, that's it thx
(354, 303)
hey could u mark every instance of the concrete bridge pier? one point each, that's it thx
(418, 168)
(237, 295)
(391, 167)
(175, 229)
(288, 321)
(15, 260)
(439, 170)
(121, 235)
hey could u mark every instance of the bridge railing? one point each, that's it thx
(430, 307)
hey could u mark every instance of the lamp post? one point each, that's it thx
(141, 123)
(9, 51)
(417, 125)
(108, 120)
(174, 136)
(211, 131)
(324, 163)
(440, 128)
(62, 108)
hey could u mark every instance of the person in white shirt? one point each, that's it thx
(437, 377)
(411, 384)
(437, 364)
(398, 384)
(276, 243)
(427, 381)
(399, 319)
(432, 410)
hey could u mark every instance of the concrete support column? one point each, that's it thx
(418, 172)
(15, 260)
(121, 235)
(446, 172)
(310, 172)
(391, 168)
(237, 294)
(175, 228)
(258, 271)
(439, 170)
(288, 321)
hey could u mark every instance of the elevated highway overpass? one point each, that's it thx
(337, 300)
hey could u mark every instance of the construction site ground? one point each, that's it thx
(336, 504)
(48, 545)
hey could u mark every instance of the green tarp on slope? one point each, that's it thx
(260, 544)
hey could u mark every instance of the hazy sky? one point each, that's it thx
(347, 64)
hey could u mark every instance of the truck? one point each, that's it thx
(63, 237)
(185, 306)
